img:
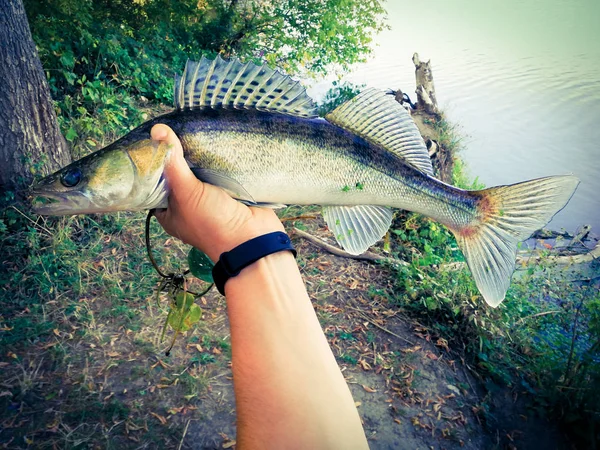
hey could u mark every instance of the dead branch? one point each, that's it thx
(364, 316)
(583, 258)
(366, 256)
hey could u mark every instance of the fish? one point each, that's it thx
(254, 132)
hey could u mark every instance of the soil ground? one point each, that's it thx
(113, 387)
(99, 377)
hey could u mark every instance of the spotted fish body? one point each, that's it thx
(254, 133)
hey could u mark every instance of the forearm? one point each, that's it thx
(289, 389)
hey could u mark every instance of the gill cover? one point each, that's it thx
(117, 178)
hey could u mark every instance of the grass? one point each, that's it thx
(531, 342)
(80, 330)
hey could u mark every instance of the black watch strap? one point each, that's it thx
(232, 262)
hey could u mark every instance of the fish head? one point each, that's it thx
(118, 178)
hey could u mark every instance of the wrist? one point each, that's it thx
(259, 224)
(231, 263)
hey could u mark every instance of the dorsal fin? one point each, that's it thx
(223, 83)
(381, 120)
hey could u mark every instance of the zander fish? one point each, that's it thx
(255, 133)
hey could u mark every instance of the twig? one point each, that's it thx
(287, 219)
(32, 221)
(366, 256)
(380, 327)
(523, 319)
(184, 433)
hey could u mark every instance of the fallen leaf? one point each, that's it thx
(174, 411)
(357, 404)
(50, 344)
(411, 350)
(196, 346)
(113, 354)
(365, 365)
(453, 389)
(368, 389)
(161, 364)
(160, 418)
(228, 444)
(431, 356)
(56, 332)
(398, 421)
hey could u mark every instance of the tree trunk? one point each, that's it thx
(30, 139)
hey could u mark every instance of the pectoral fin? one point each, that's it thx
(228, 184)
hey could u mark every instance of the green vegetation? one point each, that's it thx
(78, 292)
(338, 94)
(544, 339)
(102, 57)
(80, 329)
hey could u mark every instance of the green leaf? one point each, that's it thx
(200, 265)
(191, 315)
(179, 300)
(70, 135)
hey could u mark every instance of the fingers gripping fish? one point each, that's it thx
(255, 133)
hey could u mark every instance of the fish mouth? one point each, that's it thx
(58, 203)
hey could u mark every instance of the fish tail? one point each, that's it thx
(507, 215)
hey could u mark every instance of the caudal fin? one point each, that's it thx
(506, 216)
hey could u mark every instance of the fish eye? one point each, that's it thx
(71, 177)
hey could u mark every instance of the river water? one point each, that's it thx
(521, 79)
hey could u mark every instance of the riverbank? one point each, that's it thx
(429, 364)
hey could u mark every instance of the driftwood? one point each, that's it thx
(426, 99)
(581, 258)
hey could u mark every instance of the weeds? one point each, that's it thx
(544, 339)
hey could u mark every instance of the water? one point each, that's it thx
(520, 78)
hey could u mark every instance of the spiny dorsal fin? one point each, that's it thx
(381, 120)
(223, 83)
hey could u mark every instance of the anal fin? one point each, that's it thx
(356, 228)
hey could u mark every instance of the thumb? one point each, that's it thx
(179, 176)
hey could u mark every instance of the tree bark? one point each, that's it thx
(30, 139)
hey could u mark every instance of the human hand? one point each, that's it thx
(203, 215)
